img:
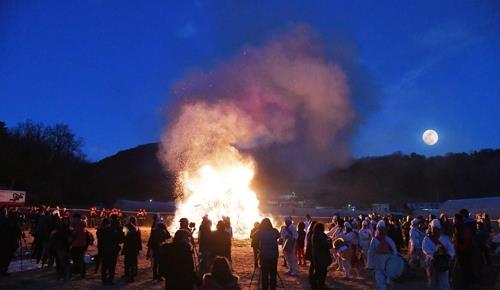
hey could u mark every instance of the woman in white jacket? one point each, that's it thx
(436, 246)
(416, 238)
(365, 237)
(381, 248)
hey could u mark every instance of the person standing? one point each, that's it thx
(321, 257)
(111, 238)
(307, 222)
(351, 239)
(365, 237)
(255, 245)
(308, 253)
(267, 239)
(299, 248)
(158, 236)
(438, 251)
(98, 257)
(416, 237)
(132, 245)
(381, 248)
(221, 242)
(395, 232)
(290, 236)
(204, 243)
(60, 240)
(10, 232)
(176, 263)
(79, 244)
(405, 226)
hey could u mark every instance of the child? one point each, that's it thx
(299, 249)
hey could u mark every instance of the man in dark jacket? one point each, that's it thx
(159, 235)
(204, 242)
(60, 242)
(221, 242)
(132, 245)
(10, 233)
(110, 239)
(267, 239)
(176, 263)
(255, 244)
(321, 257)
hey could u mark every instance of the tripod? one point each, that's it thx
(260, 276)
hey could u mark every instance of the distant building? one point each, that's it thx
(381, 208)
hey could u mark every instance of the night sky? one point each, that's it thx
(105, 68)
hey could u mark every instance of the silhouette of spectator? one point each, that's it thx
(158, 236)
(221, 242)
(221, 277)
(10, 232)
(320, 256)
(132, 245)
(110, 240)
(176, 263)
(60, 241)
(267, 239)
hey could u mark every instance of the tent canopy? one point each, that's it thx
(489, 205)
(150, 206)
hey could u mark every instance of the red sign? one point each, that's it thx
(12, 197)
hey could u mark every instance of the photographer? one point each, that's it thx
(255, 244)
(267, 239)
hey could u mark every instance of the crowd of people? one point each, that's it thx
(451, 251)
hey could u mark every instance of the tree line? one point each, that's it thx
(48, 162)
(399, 178)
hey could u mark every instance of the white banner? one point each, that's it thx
(12, 197)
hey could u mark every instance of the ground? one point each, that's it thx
(242, 263)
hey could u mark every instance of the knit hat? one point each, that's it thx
(435, 224)
(381, 224)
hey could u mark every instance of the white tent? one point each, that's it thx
(150, 206)
(489, 205)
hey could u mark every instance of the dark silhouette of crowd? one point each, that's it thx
(452, 251)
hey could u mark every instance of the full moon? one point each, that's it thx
(430, 137)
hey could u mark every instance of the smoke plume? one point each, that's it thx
(285, 96)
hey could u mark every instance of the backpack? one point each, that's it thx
(442, 261)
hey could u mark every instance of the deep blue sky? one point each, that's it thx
(105, 67)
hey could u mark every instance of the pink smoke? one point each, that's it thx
(283, 94)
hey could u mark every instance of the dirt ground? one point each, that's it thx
(242, 264)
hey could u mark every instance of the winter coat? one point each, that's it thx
(221, 244)
(177, 266)
(321, 256)
(268, 243)
(110, 240)
(132, 243)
